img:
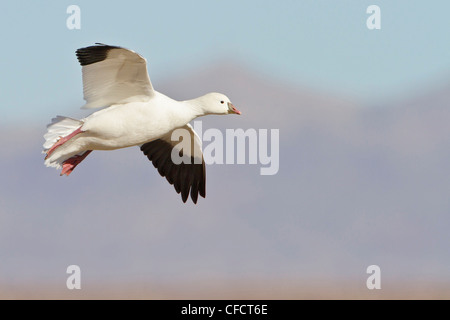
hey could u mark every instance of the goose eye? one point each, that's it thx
(222, 102)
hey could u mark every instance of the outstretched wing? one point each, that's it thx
(113, 75)
(187, 177)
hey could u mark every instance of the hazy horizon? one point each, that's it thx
(364, 153)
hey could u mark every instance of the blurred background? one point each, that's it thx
(364, 173)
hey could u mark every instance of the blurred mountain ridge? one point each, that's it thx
(356, 186)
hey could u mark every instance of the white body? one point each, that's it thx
(134, 123)
(123, 125)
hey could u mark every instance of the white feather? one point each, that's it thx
(122, 77)
(58, 128)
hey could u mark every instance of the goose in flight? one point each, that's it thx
(133, 114)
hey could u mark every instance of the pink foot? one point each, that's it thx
(71, 163)
(61, 141)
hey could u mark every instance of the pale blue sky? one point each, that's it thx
(323, 44)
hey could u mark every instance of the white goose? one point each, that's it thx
(136, 115)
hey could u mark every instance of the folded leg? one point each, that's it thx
(71, 163)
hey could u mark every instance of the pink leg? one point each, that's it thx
(61, 141)
(71, 163)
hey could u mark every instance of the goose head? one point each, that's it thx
(216, 103)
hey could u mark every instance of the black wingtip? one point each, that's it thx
(187, 178)
(93, 54)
